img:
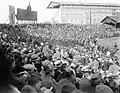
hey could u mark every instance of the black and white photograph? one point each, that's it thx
(59, 46)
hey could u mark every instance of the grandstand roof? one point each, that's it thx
(53, 4)
(111, 19)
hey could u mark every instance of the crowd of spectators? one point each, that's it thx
(32, 60)
(73, 32)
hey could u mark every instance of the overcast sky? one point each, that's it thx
(44, 14)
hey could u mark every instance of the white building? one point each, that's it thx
(83, 13)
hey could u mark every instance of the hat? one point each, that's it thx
(48, 63)
(111, 61)
(66, 55)
(16, 51)
(95, 78)
(64, 62)
(42, 43)
(57, 62)
(46, 43)
(86, 74)
(28, 89)
(108, 53)
(29, 55)
(84, 68)
(19, 48)
(34, 56)
(24, 50)
(73, 65)
(100, 59)
(29, 66)
(56, 56)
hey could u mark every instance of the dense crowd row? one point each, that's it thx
(61, 32)
(31, 63)
(73, 32)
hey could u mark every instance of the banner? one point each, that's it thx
(12, 14)
(26, 15)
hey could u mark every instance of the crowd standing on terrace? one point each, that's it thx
(58, 58)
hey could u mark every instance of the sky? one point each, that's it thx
(40, 6)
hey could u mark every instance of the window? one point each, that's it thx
(78, 21)
(63, 20)
(63, 15)
(68, 21)
(71, 21)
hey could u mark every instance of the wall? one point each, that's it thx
(85, 14)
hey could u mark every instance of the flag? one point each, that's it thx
(12, 14)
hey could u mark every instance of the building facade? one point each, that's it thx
(83, 13)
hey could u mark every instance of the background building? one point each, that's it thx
(82, 13)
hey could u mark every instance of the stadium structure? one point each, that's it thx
(83, 13)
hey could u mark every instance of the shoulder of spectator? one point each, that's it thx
(14, 89)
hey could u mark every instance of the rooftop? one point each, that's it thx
(116, 19)
(58, 4)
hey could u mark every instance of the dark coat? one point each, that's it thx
(85, 86)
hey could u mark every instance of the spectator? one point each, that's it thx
(103, 89)
(6, 75)
(68, 81)
(33, 86)
(47, 80)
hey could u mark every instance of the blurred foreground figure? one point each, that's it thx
(6, 76)
(103, 89)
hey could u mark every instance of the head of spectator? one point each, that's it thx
(30, 68)
(103, 89)
(28, 89)
(18, 58)
(70, 89)
(95, 79)
(48, 68)
(35, 81)
(70, 75)
(48, 71)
